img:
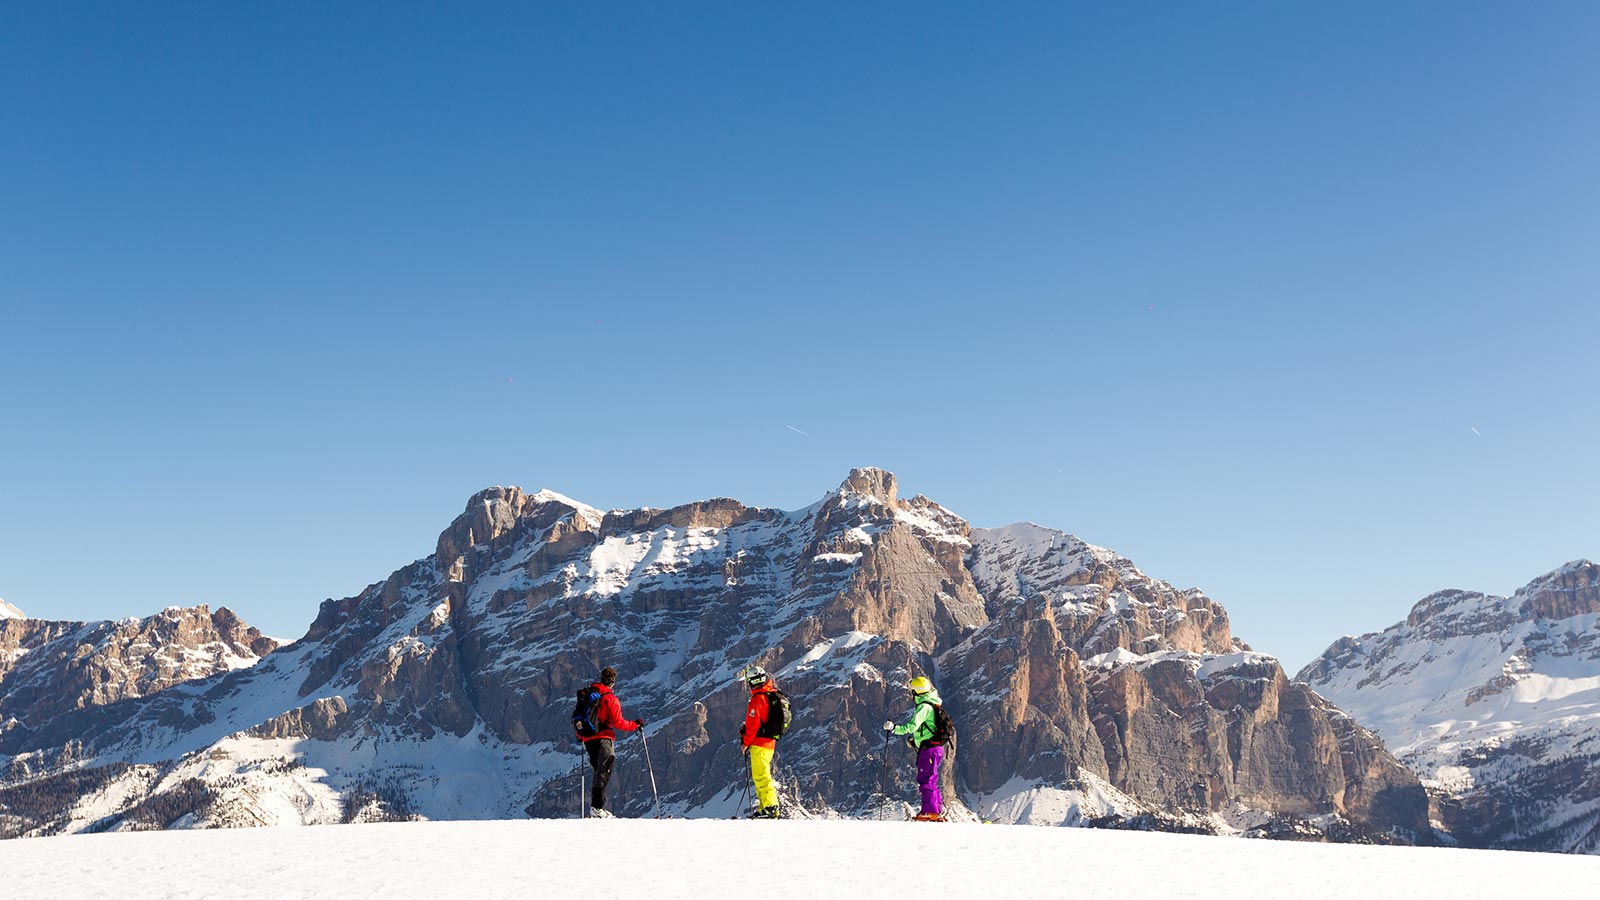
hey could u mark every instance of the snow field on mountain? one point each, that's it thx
(1428, 696)
(707, 860)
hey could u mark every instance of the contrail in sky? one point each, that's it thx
(798, 431)
(1475, 430)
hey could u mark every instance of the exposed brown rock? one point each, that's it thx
(48, 668)
(318, 720)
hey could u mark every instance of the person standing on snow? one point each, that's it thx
(766, 718)
(606, 714)
(928, 730)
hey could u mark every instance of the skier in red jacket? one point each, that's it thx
(760, 741)
(601, 744)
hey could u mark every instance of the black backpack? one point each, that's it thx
(944, 730)
(586, 715)
(778, 715)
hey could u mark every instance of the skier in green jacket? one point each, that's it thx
(929, 739)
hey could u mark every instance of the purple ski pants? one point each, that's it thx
(928, 760)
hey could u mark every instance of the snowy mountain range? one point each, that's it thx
(1084, 691)
(1494, 702)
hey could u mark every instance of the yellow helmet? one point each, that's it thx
(920, 685)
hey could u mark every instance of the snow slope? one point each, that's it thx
(708, 859)
(1494, 702)
(7, 611)
(1466, 666)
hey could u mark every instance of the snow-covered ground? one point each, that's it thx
(708, 859)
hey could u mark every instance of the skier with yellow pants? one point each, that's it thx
(766, 718)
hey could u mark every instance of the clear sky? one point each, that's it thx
(1293, 302)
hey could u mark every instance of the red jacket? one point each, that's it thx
(755, 716)
(608, 716)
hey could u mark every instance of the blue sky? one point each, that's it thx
(1226, 287)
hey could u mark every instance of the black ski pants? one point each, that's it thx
(602, 754)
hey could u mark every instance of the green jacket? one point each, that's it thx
(920, 725)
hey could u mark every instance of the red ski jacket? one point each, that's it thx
(755, 716)
(608, 716)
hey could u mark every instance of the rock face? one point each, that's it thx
(1083, 690)
(1181, 716)
(1494, 702)
(51, 668)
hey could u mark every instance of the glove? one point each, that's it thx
(888, 726)
(638, 723)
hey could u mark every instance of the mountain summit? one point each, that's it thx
(1084, 691)
(1494, 701)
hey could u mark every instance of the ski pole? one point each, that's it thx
(884, 780)
(652, 770)
(583, 788)
(744, 796)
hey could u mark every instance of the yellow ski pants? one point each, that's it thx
(761, 776)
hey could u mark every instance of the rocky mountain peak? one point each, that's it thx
(1494, 702)
(870, 481)
(1100, 600)
(495, 517)
(489, 514)
(50, 669)
(1571, 590)
(719, 512)
(1439, 608)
